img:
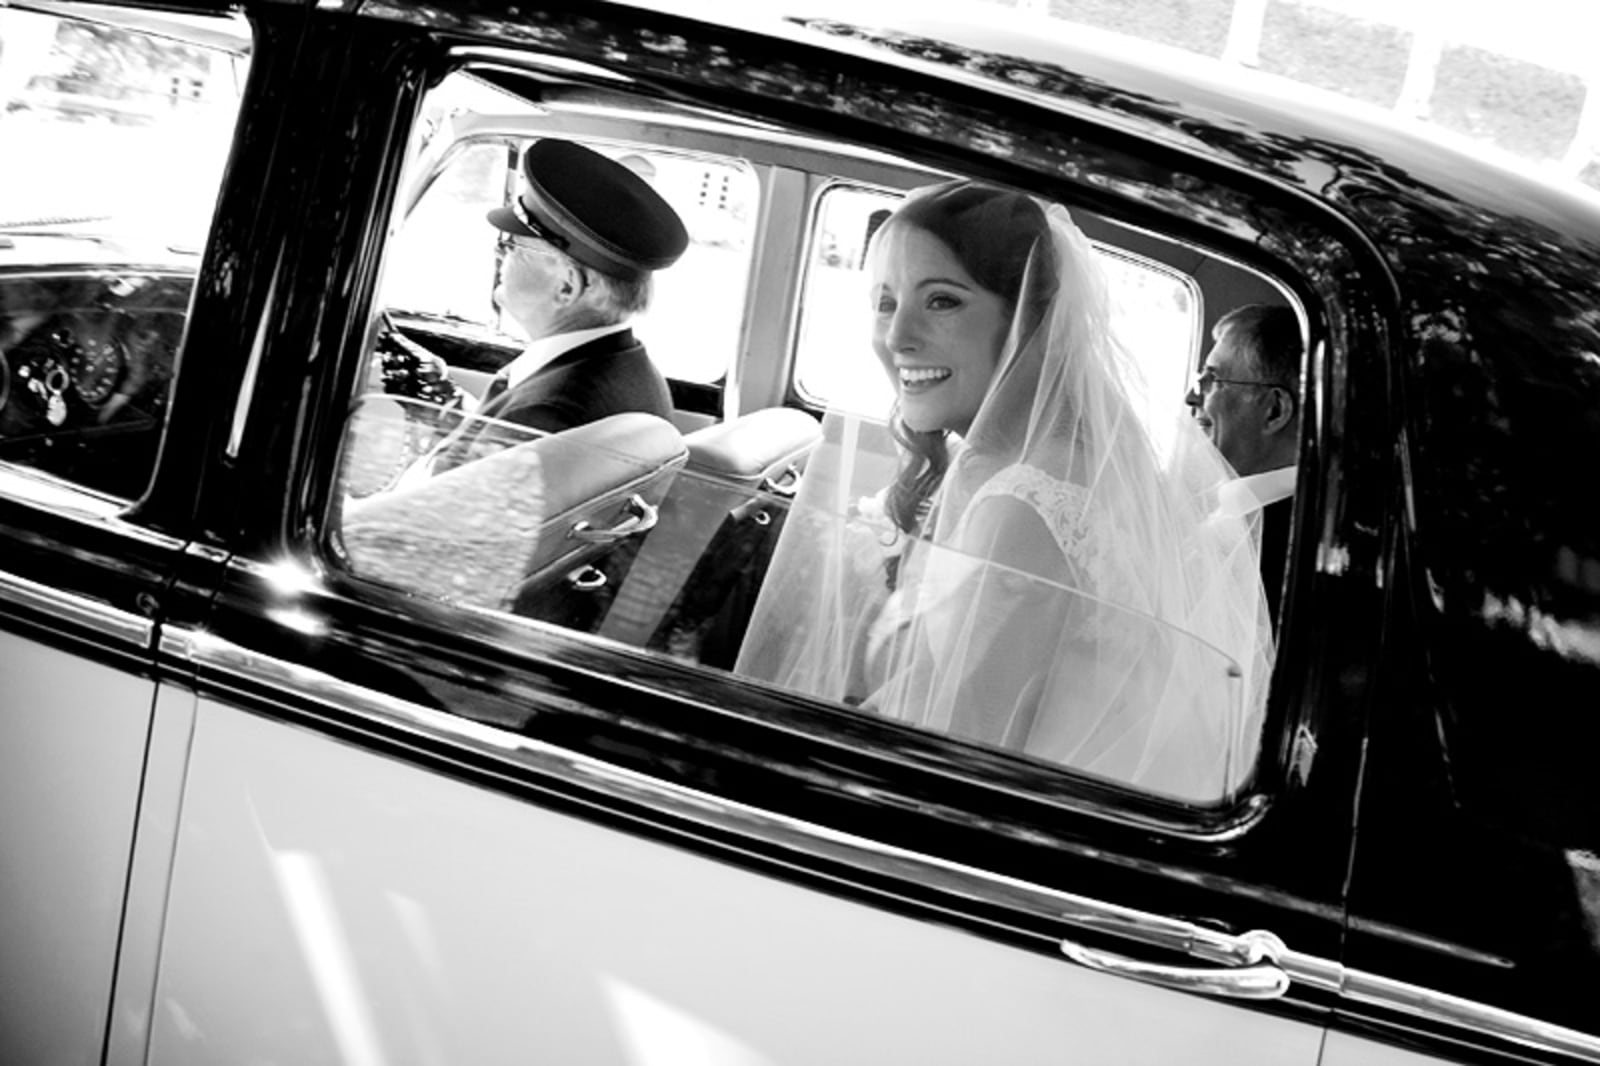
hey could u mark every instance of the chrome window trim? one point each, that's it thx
(72, 502)
(1478, 1018)
(118, 625)
(58, 495)
(252, 369)
(816, 842)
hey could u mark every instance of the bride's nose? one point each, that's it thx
(903, 332)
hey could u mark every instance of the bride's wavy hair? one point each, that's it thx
(994, 234)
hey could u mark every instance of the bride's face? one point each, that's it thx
(935, 329)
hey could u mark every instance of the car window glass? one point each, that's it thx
(766, 548)
(1157, 305)
(829, 370)
(114, 128)
(447, 224)
(611, 529)
(690, 339)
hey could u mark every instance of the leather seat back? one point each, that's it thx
(727, 503)
(485, 531)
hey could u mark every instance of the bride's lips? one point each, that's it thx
(920, 378)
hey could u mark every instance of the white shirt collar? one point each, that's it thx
(544, 351)
(1246, 494)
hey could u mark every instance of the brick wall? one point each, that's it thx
(1527, 108)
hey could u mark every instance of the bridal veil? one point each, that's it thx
(1069, 592)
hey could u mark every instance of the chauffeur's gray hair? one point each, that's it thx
(619, 298)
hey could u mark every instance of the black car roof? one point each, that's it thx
(1296, 133)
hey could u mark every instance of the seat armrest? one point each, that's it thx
(758, 445)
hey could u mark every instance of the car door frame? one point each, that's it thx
(725, 768)
(85, 585)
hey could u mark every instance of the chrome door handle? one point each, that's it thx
(785, 484)
(642, 520)
(1261, 979)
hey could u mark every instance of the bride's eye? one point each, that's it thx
(943, 301)
(884, 304)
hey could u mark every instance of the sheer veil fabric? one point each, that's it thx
(1069, 594)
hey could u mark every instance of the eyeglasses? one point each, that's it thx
(1208, 377)
(516, 242)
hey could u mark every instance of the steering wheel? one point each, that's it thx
(409, 370)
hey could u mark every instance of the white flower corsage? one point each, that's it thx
(871, 512)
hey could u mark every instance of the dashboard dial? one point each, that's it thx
(96, 361)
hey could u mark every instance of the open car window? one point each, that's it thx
(679, 537)
(115, 127)
(469, 164)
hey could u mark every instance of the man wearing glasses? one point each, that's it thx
(580, 244)
(1247, 399)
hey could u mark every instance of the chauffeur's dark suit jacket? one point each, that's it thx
(607, 376)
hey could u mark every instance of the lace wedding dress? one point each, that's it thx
(1062, 658)
(1071, 595)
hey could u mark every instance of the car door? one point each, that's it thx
(91, 310)
(416, 827)
(1475, 889)
(76, 654)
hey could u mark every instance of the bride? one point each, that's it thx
(1017, 565)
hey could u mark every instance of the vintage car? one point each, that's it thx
(297, 766)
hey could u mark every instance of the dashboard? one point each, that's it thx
(86, 363)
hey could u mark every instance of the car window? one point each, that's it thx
(832, 367)
(115, 129)
(1157, 306)
(447, 224)
(777, 549)
(690, 339)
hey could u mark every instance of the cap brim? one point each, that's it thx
(504, 218)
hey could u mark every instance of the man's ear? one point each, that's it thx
(1281, 411)
(569, 286)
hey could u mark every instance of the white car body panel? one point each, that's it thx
(72, 741)
(376, 912)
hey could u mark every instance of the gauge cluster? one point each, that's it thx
(86, 362)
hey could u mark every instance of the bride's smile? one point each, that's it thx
(913, 379)
(938, 329)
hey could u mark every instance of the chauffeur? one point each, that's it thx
(581, 243)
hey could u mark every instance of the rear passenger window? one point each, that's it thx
(1025, 561)
(96, 267)
(832, 365)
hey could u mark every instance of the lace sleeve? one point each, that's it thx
(1059, 504)
(1090, 547)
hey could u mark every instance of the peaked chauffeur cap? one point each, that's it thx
(597, 211)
